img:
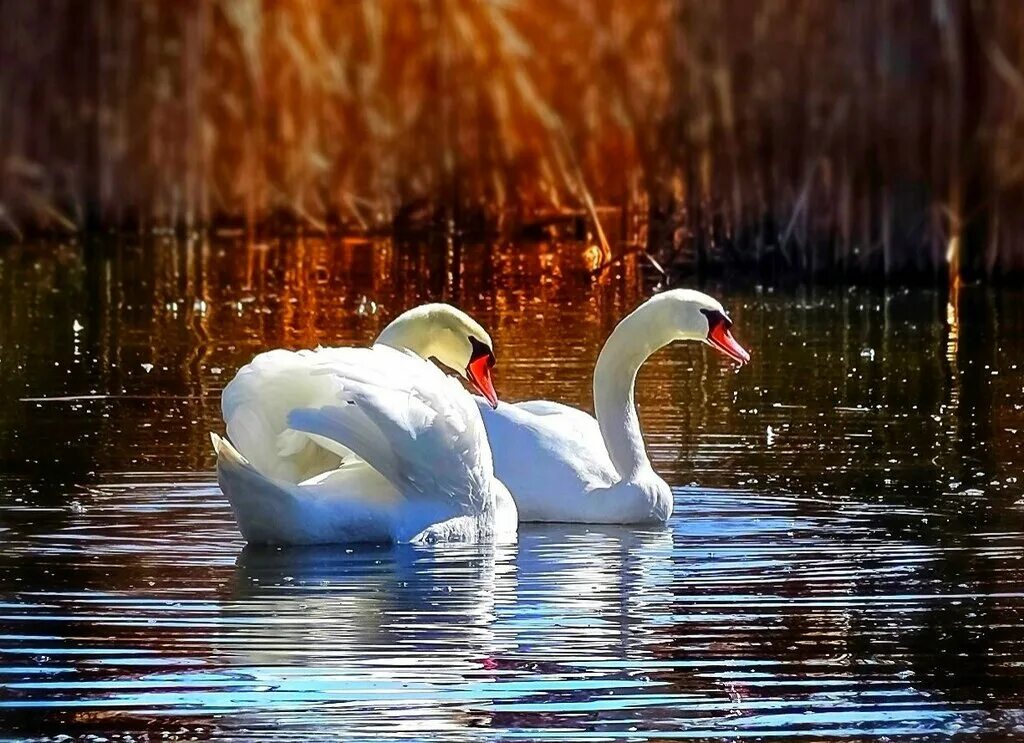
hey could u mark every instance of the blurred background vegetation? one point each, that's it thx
(841, 140)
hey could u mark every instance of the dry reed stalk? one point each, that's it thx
(183, 113)
(849, 138)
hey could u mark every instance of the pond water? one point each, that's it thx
(844, 558)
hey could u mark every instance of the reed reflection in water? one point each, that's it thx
(856, 571)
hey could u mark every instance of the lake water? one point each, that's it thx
(844, 558)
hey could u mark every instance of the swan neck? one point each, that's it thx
(406, 334)
(634, 339)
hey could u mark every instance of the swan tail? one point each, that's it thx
(260, 505)
(226, 452)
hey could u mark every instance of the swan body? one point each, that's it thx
(562, 464)
(555, 463)
(376, 444)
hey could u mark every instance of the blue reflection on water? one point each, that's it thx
(713, 626)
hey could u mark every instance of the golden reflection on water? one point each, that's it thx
(953, 323)
(192, 310)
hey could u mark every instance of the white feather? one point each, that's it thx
(349, 444)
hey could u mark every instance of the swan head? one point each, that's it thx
(450, 338)
(698, 317)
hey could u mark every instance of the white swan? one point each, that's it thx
(561, 464)
(366, 444)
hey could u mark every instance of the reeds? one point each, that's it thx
(876, 138)
(867, 138)
(182, 113)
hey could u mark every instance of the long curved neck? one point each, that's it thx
(405, 333)
(634, 339)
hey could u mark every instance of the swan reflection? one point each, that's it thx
(439, 634)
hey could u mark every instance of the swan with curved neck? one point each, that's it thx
(366, 444)
(449, 336)
(561, 464)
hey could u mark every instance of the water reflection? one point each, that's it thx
(743, 618)
(855, 571)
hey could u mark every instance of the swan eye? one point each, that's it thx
(481, 350)
(716, 318)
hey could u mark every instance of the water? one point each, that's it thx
(844, 559)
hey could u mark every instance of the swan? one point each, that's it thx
(375, 444)
(562, 464)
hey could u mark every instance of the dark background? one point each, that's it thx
(868, 139)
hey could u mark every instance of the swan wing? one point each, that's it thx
(256, 403)
(405, 418)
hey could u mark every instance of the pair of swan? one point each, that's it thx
(379, 444)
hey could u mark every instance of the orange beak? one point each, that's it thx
(479, 373)
(721, 339)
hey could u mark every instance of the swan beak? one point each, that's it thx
(721, 339)
(479, 373)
